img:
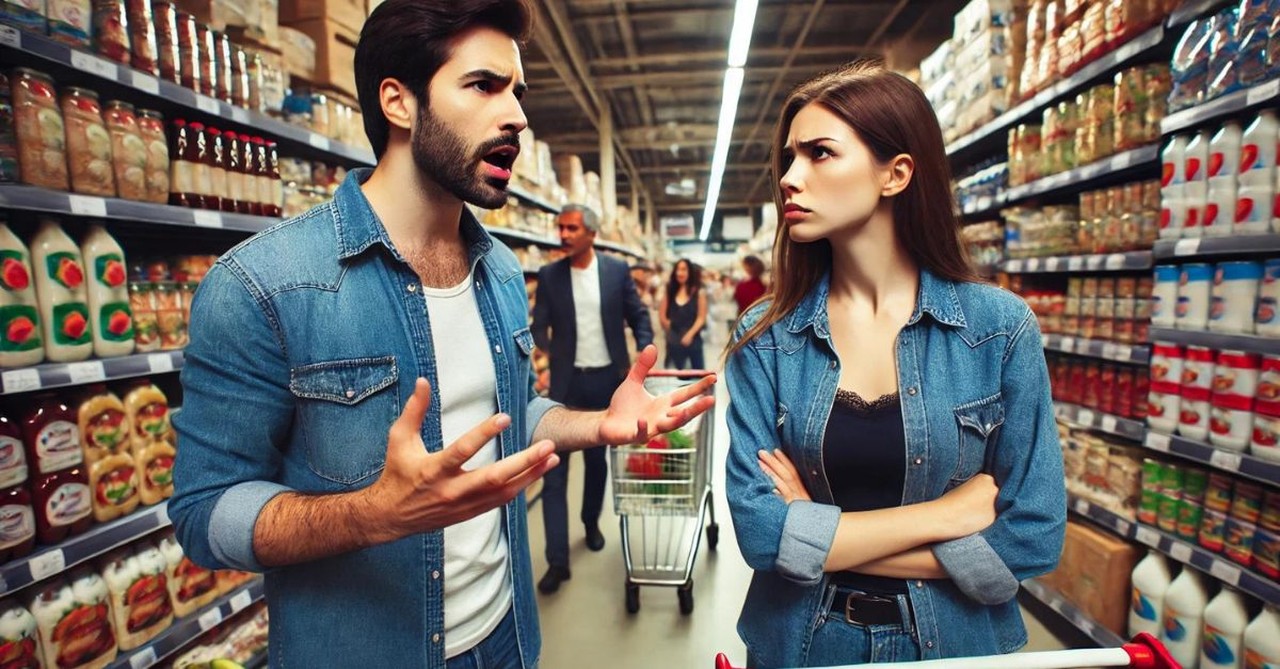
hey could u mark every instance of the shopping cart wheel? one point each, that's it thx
(633, 598)
(685, 594)
(713, 536)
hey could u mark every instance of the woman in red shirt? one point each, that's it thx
(751, 288)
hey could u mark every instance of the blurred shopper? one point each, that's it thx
(581, 307)
(894, 467)
(683, 315)
(751, 288)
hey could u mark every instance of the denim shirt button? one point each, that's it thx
(435, 638)
(919, 584)
(497, 349)
(911, 391)
(413, 287)
(918, 461)
(435, 575)
(814, 472)
(928, 644)
(833, 364)
(350, 393)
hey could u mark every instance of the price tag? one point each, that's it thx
(1094, 263)
(1186, 247)
(1075, 263)
(143, 658)
(1111, 351)
(10, 36)
(1082, 507)
(1085, 417)
(1181, 552)
(83, 205)
(47, 564)
(1225, 572)
(319, 141)
(1262, 92)
(1053, 264)
(207, 105)
(210, 619)
(1060, 412)
(1033, 265)
(20, 380)
(145, 82)
(1123, 526)
(1013, 266)
(1148, 536)
(207, 219)
(241, 601)
(1115, 261)
(1226, 460)
(984, 203)
(86, 372)
(1109, 424)
(1121, 161)
(1158, 442)
(160, 363)
(162, 515)
(93, 65)
(1068, 344)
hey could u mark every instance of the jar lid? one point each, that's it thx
(151, 113)
(28, 72)
(120, 104)
(83, 92)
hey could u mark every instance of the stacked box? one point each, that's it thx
(980, 42)
(335, 52)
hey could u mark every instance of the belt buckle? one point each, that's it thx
(849, 607)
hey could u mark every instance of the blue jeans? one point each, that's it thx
(838, 642)
(588, 390)
(498, 650)
(686, 357)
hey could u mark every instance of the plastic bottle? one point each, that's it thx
(1224, 165)
(18, 636)
(1262, 641)
(1196, 166)
(59, 482)
(1151, 579)
(1173, 202)
(1184, 604)
(64, 308)
(1256, 181)
(22, 343)
(1225, 619)
(17, 518)
(108, 294)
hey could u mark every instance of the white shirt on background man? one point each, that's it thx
(592, 351)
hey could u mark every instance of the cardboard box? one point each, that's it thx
(299, 53)
(347, 13)
(1100, 567)
(335, 54)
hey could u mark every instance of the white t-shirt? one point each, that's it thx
(477, 589)
(592, 351)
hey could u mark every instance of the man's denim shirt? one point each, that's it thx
(306, 341)
(975, 397)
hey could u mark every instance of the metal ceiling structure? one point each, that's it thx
(650, 72)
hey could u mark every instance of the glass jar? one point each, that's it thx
(207, 50)
(151, 129)
(320, 114)
(88, 143)
(254, 74)
(8, 138)
(42, 138)
(188, 52)
(111, 30)
(239, 77)
(222, 63)
(166, 29)
(129, 152)
(142, 36)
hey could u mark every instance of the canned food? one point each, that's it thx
(1167, 517)
(1234, 292)
(1163, 407)
(1195, 482)
(1194, 288)
(1246, 501)
(1164, 296)
(1213, 530)
(1230, 422)
(1270, 518)
(1267, 319)
(1238, 542)
(1197, 371)
(1218, 495)
(1236, 374)
(1266, 552)
(1190, 516)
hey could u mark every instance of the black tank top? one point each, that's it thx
(683, 316)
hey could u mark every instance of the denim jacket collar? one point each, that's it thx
(358, 226)
(937, 297)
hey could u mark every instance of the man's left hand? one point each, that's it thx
(634, 415)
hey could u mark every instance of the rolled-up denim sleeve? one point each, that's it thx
(1031, 508)
(533, 413)
(235, 419)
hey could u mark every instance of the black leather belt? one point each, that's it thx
(592, 370)
(860, 608)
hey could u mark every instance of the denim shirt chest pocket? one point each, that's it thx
(346, 408)
(979, 427)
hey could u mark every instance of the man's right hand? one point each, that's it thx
(971, 506)
(420, 491)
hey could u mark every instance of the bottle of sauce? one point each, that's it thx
(191, 587)
(253, 204)
(217, 165)
(151, 130)
(155, 467)
(104, 431)
(108, 294)
(88, 143)
(59, 483)
(182, 168)
(222, 63)
(148, 411)
(206, 42)
(166, 29)
(274, 206)
(262, 174)
(17, 518)
(22, 344)
(60, 288)
(19, 638)
(234, 199)
(202, 160)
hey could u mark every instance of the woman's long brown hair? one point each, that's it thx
(892, 116)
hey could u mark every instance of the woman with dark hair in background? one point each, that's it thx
(751, 288)
(683, 314)
(895, 527)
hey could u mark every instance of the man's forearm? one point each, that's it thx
(913, 564)
(571, 430)
(294, 528)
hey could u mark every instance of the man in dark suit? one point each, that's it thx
(580, 308)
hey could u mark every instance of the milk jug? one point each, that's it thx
(64, 308)
(1256, 181)
(21, 341)
(1225, 619)
(1224, 164)
(1151, 579)
(1262, 641)
(1183, 621)
(108, 294)
(1173, 179)
(1196, 167)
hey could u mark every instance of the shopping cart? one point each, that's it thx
(1144, 652)
(661, 492)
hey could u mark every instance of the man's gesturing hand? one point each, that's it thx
(420, 491)
(634, 415)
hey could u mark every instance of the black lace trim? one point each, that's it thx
(853, 401)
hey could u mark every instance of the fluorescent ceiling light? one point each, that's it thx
(744, 21)
(724, 134)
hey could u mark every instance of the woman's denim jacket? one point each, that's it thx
(975, 398)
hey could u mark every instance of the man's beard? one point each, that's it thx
(442, 155)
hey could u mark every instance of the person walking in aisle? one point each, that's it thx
(683, 314)
(751, 288)
(894, 467)
(358, 409)
(582, 303)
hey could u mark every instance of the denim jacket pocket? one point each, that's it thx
(345, 408)
(524, 342)
(979, 428)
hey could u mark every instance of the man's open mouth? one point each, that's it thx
(500, 161)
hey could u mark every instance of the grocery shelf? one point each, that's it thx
(46, 562)
(985, 206)
(60, 374)
(1079, 619)
(521, 236)
(619, 248)
(1114, 425)
(1214, 246)
(185, 630)
(1108, 262)
(88, 69)
(1093, 348)
(1194, 9)
(1081, 178)
(1234, 462)
(1131, 52)
(529, 198)
(1212, 564)
(1222, 107)
(1217, 341)
(32, 198)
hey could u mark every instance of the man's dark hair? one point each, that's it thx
(408, 40)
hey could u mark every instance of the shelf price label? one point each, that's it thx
(1033, 265)
(1122, 161)
(143, 658)
(1226, 460)
(1262, 93)
(86, 372)
(1068, 344)
(318, 141)
(47, 564)
(210, 619)
(10, 36)
(206, 219)
(240, 115)
(207, 105)
(241, 601)
(1122, 527)
(1148, 536)
(1094, 263)
(1181, 552)
(1186, 247)
(84, 205)
(162, 515)
(93, 65)
(1082, 507)
(1158, 442)
(1053, 264)
(1075, 263)
(20, 380)
(1014, 266)
(1115, 261)
(1227, 573)
(160, 363)
(1085, 417)
(1109, 424)
(145, 82)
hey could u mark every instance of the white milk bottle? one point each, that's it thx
(1184, 604)
(1173, 179)
(1225, 619)
(1151, 579)
(1218, 216)
(1256, 181)
(21, 341)
(64, 308)
(108, 294)
(1262, 641)
(1196, 168)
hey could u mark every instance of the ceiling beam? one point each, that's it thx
(629, 46)
(715, 55)
(699, 167)
(678, 78)
(648, 145)
(699, 206)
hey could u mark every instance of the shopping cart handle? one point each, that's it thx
(722, 661)
(1146, 652)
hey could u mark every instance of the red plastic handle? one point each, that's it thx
(722, 662)
(1146, 652)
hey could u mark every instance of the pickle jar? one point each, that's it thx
(42, 138)
(128, 150)
(151, 129)
(88, 143)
